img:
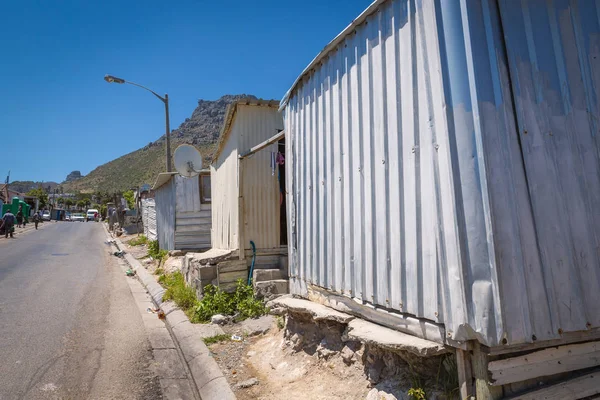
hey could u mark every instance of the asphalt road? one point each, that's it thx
(69, 326)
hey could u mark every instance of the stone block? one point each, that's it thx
(261, 275)
(271, 289)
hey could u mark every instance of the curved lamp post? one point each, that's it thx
(165, 100)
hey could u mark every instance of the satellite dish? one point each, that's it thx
(188, 160)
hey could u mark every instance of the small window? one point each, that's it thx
(205, 197)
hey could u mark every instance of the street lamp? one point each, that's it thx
(165, 100)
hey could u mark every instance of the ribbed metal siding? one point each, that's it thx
(553, 50)
(260, 186)
(193, 219)
(367, 167)
(149, 218)
(225, 193)
(165, 215)
(409, 189)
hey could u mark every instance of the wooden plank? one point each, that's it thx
(233, 265)
(567, 338)
(227, 277)
(479, 363)
(578, 388)
(465, 375)
(545, 362)
(262, 145)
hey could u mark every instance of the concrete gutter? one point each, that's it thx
(207, 376)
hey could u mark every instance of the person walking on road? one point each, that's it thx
(8, 221)
(19, 217)
(36, 219)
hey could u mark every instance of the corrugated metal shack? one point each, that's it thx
(246, 181)
(183, 211)
(442, 161)
(249, 219)
(149, 218)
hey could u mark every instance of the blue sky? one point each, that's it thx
(56, 112)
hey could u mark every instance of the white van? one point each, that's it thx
(92, 215)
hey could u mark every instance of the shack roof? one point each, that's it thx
(230, 116)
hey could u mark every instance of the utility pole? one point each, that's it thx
(6, 187)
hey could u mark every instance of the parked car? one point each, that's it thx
(78, 217)
(46, 216)
(91, 215)
(67, 217)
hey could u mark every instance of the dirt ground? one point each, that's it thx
(285, 374)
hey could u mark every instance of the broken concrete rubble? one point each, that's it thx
(247, 383)
(385, 354)
(370, 333)
(317, 311)
(219, 319)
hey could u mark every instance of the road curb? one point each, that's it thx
(206, 374)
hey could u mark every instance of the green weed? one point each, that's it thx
(216, 339)
(447, 377)
(138, 241)
(242, 303)
(183, 295)
(417, 393)
(159, 271)
(155, 252)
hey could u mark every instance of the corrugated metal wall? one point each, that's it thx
(224, 188)
(165, 215)
(193, 219)
(260, 185)
(409, 188)
(553, 50)
(149, 218)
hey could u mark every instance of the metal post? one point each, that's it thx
(166, 101)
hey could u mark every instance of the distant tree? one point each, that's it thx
(60, 201)
(80, 204)
(69, 203)
(41, 195)
(130, 197)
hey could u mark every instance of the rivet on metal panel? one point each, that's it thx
(401, 305)
(560, 331)
(359, 169)
(322, 183)
(449, 334)
(525, 132)
(437, 146)
(533, 337)
(383, 161)
(435, 313)
(339, 178)
(588, 325)
(387, 301)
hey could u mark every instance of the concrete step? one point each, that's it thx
(262, 275)
(271, 289)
